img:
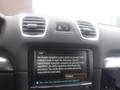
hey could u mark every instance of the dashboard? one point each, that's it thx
(49, 53)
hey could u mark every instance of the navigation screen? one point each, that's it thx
(59, 67)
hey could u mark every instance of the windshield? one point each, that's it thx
(102, 11)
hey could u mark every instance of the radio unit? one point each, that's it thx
(59, 68)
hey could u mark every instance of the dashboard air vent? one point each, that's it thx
(87, 30)
(33, 26)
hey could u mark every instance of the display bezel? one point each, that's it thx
(31, 66)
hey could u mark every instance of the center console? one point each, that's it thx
(63, 68)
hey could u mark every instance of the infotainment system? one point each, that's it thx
(54, 68)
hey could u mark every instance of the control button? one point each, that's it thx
(37, 82)
(62, 26)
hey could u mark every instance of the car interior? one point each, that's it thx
(50, 52)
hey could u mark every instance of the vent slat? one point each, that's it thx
(39, 26)
(89, 34)
(87, 29)
(32, 25)
(33, 29)
(34, 22)
(31, 18)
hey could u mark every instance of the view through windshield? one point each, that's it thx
(101, 11)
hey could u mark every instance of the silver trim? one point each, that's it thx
(21, 29)
(69, 85)
(96, 28)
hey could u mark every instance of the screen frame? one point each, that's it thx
(31, 66)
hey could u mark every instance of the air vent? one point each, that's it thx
(87, 30)
(33, 26)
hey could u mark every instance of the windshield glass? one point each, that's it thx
(102, 11)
